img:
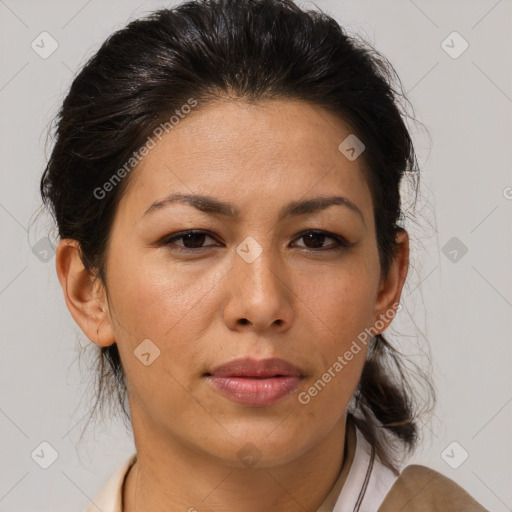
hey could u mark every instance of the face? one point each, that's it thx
(261, 277)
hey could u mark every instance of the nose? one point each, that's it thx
(260, 295)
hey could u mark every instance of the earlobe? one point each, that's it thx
(391, 286)
(83, 294)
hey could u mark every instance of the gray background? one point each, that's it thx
(461, 308)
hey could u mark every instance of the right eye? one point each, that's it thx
(192, 240)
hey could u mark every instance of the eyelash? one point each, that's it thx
(340, 243)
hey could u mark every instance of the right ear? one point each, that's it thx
(84, 294)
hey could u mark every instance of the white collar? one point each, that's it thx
(367, 483)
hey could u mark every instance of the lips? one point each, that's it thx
(256, 383)
(254, 368)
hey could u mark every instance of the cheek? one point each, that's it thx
(155, 298)
(165, 308)
(169, 306)
(341, 301)
(326, 396)
(340, 306)
(340, 349)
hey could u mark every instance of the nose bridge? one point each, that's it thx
(257, 264)
(260, 294)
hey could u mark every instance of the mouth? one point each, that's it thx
(256, 383)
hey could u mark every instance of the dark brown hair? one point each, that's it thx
(252, 50)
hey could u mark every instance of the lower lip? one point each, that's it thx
(256, 392)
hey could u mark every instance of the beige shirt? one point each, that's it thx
(363, 485)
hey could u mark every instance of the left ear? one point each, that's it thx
(390, 288)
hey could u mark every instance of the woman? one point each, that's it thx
(225, 180)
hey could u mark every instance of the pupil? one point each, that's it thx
(312, 237)
(192, 238)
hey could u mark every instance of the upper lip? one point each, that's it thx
(248, 367)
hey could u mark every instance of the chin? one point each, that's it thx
(262, 445)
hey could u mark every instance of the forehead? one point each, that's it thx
(268, 152)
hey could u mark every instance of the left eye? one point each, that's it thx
(318, 237)
(313, 240)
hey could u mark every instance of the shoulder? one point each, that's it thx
(421, 489)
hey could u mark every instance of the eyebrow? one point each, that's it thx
(214, 206)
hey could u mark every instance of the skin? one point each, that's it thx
(305, 306)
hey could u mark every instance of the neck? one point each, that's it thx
(168, 476)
